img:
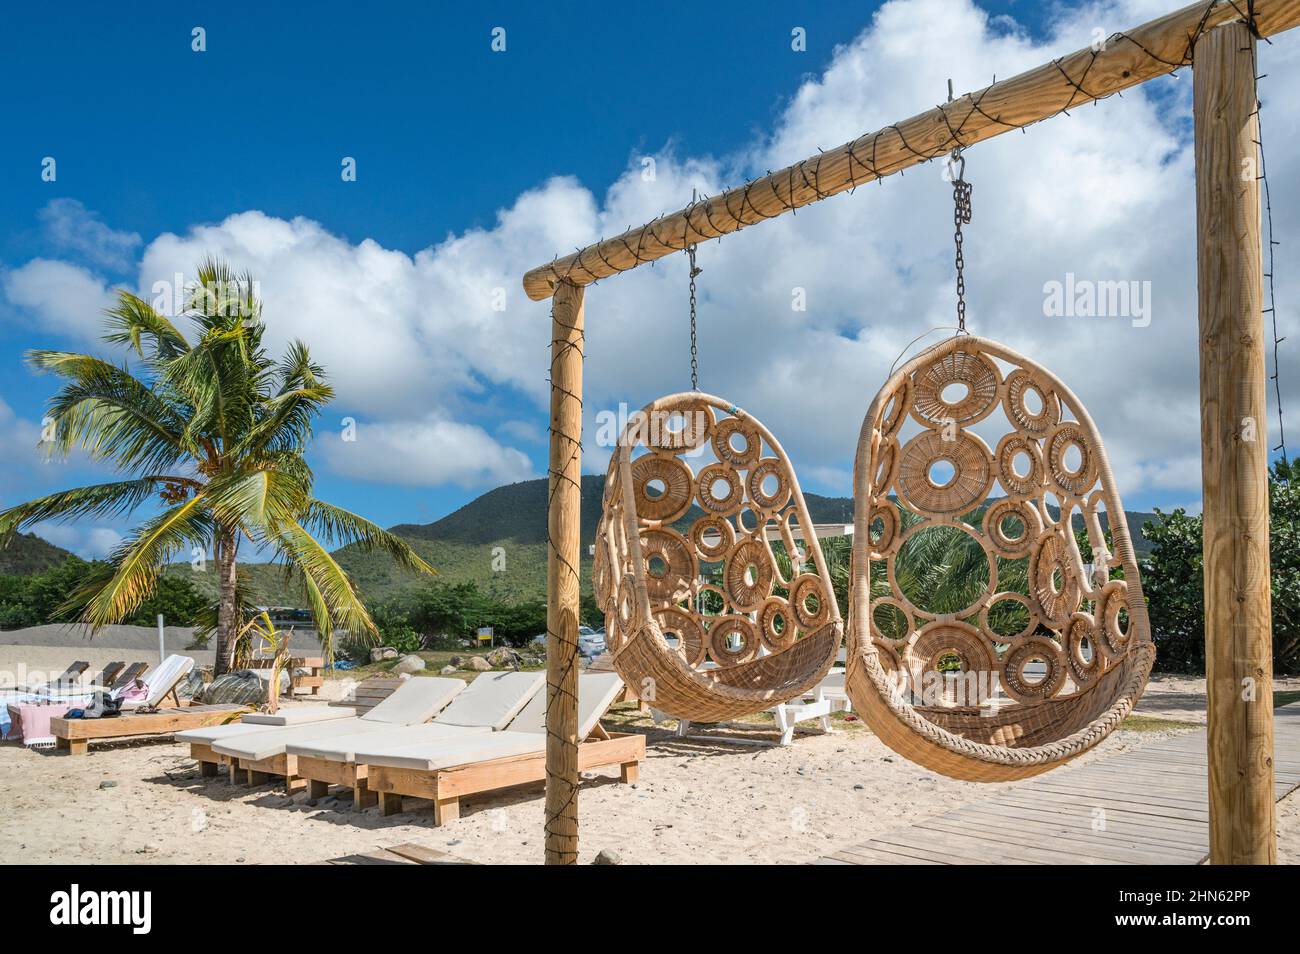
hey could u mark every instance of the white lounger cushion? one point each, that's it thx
(596, 693)
(270, 741)
(302, 715)
(299, 715)
(493, 699)
(433, 756)
(416, 700)
(344, 748)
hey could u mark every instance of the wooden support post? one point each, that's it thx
(562, 566)
(317, 789)
(390, 803)
(1234, 450)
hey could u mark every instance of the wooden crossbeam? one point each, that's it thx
(1125, 60)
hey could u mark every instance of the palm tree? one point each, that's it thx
(215, 432)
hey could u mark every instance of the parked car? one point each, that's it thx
(591, 642)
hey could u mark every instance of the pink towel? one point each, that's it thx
(31, 722)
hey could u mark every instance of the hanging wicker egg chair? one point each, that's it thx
(700, 617)
(939, 684)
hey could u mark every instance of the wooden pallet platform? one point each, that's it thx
(75, 735)
(1147, 806)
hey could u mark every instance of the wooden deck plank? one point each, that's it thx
(1155, 800)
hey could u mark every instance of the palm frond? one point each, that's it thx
(136, 563)
(109, 413)
(342, 527)
(98, 500)
(133, 319)
(329, 588)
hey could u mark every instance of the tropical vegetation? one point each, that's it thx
(211, 430)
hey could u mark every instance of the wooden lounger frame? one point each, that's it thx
(366, 696)
(75, 735)
(446, 787)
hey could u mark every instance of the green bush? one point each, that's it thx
(1173, 583)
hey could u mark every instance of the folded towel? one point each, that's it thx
(31, 722)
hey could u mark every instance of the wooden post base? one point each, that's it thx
(363, 798)
(72, 746)
(317, 789)
(389, 804)
(629, 772)
(208, 769)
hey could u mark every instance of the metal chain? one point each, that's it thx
(961, 190)
(695, 364)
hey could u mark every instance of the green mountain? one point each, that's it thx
(498, 541)
(27, 554)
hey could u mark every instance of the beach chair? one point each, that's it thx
(143, 716)
(109, 674)
(491, 703)
(259, 755)
(368, 694)
(445, 771)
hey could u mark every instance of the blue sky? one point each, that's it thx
(458, 150)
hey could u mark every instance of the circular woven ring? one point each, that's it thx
(675, 572)
(1009, 448)
(977, 372)
(747, 590)
(1083, 628)
(801, 588)
(892, 418)
(680, 427)
(776, 609)
(733, 427)
(625, 602)
(707, 528)
(1009, 597)
(1078, 481)
(760, 472)
(732, 640)
(885, 469)
(881, 637)
(883, 509)
(1015, 681)
(691, 643)
(678, 488)
(973, 654)
(720, 506)
(1045, 561)
(602, 574)
(1036, 425)
(1030, 520)
(972, 473)
(1114, 600)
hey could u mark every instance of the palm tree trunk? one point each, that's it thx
(226, 544)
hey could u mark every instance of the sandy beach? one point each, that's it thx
(696, 802)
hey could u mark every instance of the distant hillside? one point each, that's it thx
(515, 512)
(463, 546)
(27, 554)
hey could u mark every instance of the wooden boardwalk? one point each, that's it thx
(1147, 806)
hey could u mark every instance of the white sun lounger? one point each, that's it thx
(265, 721)
(491, 702)
(260, 754)
(445, 770)
(162, 681)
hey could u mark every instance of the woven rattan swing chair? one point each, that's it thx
(1010, 704)
(702, 621)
